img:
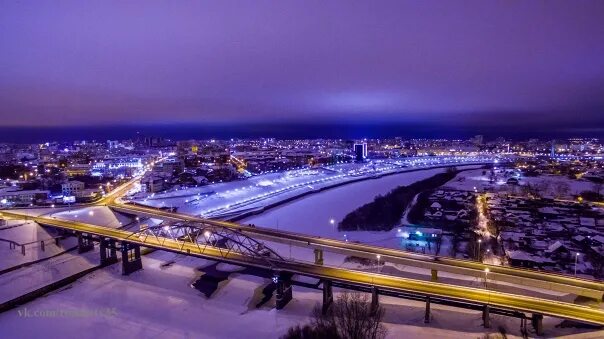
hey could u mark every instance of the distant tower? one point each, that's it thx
(360, 152)
(552, 152)
(478, 139)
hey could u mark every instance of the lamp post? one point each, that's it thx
(478, 256)
(576, 260)
(486, 272)
(378, 262)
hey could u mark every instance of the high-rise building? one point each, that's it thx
(360, 152)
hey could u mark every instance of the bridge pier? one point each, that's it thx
(327, 296)
(427, 314)
(85, 243)
(486, 319)
(434, 275)
(318, 256)
(375, 300)
(537, 322)
(131, 258)
(523, 328)
(284, 289)
(108, 251)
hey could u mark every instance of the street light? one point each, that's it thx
(486, 272)
(478, 256)
(576, 259)
(378, 262)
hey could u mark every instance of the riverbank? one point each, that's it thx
(265, 208)
(385, 212)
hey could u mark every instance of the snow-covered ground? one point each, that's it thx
(552, 182)
(160, 301)
(29, 278)
(59, 263)
(476, 180)
(97, 215)
(31, 234)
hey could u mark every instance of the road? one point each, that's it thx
(366, 279)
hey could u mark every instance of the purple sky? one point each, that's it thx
(122, 62)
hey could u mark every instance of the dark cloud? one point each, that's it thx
(444, 62)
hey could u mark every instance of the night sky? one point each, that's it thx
(455, 64)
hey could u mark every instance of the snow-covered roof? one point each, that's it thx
(521, 255)
(436, 205)
(554, 227)
(555, 246)
(548, 210)
(587, 221)
(516, 236)
(539, 244)
(598, 239)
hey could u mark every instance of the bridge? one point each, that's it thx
(525, 277)
(538, 279)
(211, 240)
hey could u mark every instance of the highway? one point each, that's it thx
(359, 278)
(525, 277)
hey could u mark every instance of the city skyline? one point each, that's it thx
(302, 169)
(474, 68)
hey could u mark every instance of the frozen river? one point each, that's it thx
(313, 213)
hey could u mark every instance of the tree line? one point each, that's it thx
(385, 212)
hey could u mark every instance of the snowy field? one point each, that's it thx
(29, 278)
(160, 302)
(31, 234)
(97, 215)
(471, 180)
(46, 264)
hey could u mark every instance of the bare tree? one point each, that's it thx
(597, 187)
(541, 188)
(527, 190)
(439, 242)
(562, 189)
(353, 318)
